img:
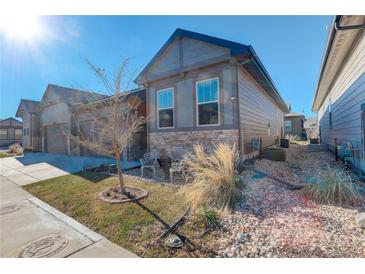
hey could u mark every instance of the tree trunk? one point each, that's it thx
(120, 176)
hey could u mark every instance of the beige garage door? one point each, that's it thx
(55, 140)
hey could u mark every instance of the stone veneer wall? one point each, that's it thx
(181, 142)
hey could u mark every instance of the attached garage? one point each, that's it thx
(55, 141)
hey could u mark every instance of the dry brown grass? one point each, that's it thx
(333, 186)
(216, 182)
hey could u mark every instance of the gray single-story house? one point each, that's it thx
(81, 121)
(10, 132)
(206, 89)
(294, 124)
(340, 95)
(196, 89)
(55, 113)
(47, 121)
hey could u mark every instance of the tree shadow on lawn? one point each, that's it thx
(94, 177)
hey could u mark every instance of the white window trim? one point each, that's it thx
(197, 103)
(173, 108)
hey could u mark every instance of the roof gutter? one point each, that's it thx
(349, 27)
(335, 26)
(257, 62)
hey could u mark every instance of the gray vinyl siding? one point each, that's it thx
(185, 116)
(183, 55)
(257, 110)
(195, 51)
(347, 94)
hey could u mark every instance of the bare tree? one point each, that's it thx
(114, 120)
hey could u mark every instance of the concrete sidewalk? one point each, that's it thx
(34, 167)
(32, 228)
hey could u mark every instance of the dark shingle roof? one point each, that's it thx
(73, 96)
(253, 65)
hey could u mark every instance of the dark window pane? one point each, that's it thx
(208, 114)
(166, 118)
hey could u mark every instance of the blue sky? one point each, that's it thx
(290, 47)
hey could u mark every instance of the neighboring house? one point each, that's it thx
(55, 113)
(294, 124)
(52, 117)
(81, 121)
(202, 89)
(10, 132)
(340, 94)
(311, 127)
(28, 110)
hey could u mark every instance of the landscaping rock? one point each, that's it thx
(242, 237)
(274, 221)
(361, 220)
(174, 241)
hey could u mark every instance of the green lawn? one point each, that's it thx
(127, 225)
(3, 155)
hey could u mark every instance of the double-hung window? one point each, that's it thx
(287, 126)
(207, 97)
(3, 134)
(165, 108)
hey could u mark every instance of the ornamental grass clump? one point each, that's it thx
(216, 182)
(333, 186)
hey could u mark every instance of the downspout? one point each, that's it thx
(240, 147)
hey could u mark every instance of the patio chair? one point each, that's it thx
(177, 166)
(149, 162)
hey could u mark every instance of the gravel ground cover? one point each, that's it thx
(278, 222)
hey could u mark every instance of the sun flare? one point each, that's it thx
(22, 27)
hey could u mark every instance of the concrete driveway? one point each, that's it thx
(34, 167)
(32, 228)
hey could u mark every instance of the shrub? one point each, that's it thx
(215, 177)
(211, 218)
(16, 149)
(333, 186)
(292, 138)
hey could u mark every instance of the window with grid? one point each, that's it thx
(165, 108)
(18, 134)
(287, 126)
(3, 134)
(207, 97)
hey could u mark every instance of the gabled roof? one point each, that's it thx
(28, 106)
(245, 54)
(13, 121)
(235, 48)
(136, 91)
(71, 96)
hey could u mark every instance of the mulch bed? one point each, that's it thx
(114, 196)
